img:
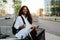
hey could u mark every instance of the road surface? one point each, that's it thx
(50, 26)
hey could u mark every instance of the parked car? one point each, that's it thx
(7, 18)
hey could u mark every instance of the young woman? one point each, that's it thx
(27, 27)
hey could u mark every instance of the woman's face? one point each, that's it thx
(25, 10)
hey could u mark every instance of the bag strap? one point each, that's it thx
(23, 20)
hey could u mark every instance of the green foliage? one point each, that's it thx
(5, 1)
(17, 6)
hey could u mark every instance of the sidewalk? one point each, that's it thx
(51, 36)
(48, 37)
(57, 19)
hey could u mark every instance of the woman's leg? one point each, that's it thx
(33, 34)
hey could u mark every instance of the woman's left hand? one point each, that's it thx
(35, 28)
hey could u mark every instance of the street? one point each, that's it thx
(50, 26)
(6, 22)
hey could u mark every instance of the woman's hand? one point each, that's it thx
(23, 26)
(35, 28)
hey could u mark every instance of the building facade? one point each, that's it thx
(2, 10)
(52, 7)
(47, 4)
(55, 7)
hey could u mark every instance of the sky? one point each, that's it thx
(33, 5)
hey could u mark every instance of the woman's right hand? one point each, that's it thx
(23, 26)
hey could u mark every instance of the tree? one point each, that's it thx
(5, 1)
(17, 5)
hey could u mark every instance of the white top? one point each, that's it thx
(23, 32)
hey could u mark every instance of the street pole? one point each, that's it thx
(0, 30)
